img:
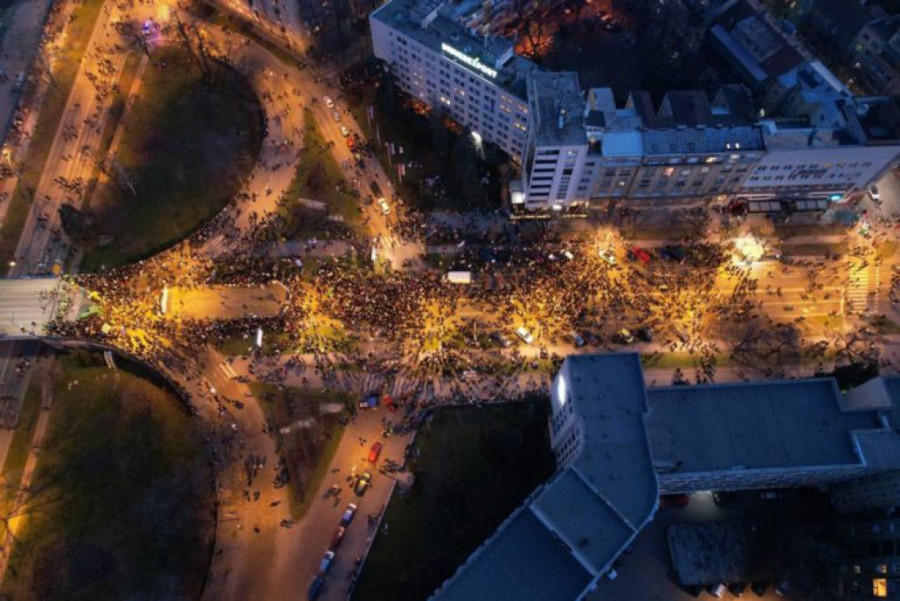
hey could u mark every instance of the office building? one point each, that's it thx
(811, 140)
(619, 445)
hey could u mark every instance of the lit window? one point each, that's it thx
(879, 587)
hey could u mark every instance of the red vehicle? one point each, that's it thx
(388, 402)
(673, 501)
(641, 255)
(337, 538)
(374, 452)
(351, 144)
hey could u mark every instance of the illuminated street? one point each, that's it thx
(326, 304)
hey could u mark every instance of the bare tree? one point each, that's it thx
(133, 36)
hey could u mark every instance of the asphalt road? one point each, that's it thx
(22, 308)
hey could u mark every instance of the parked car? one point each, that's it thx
(336, 115)
(672, 253)
(577, 340)
(370, 402)
(645, 334)
(525, 335)
(326, 562)
(329, 102)
(337, 538)
(624, 336)
(374, 452)
(673, 501)
(385, 207)
(351, 143)
(874, 193)
(345, 131)
(608, 256)
(362, 483)
(759, 588)
(717, 591)
(348, 515)
(315, 588)
(500, 339)
(737, 588)
(639, 254)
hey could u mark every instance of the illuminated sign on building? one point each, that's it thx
(468, 60)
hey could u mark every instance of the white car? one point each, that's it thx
(385, 207)
(336, 114)
(525, 335)
(874, 193)
(348, 515)
(329, 102)
(326, 562)
(608, 256)
(344, 131)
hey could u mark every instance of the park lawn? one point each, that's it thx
(17, 454)
(238, 346)
(189, 142)
(472, 468)
(123, 504)
(72, 48)
(411, 131)
(308, 452)
(319, 178)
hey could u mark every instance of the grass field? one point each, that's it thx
(72, 47)
(17, 454)
(189, 142)
(318, 177)
(307, 450)
(123, 502)
(472, 468)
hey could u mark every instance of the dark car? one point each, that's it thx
(315, 588)
(672, 253)
(500, 339)
(759, 588)
(645, 334)
(376, 189)
(737, 588)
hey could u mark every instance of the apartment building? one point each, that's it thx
(811, 139)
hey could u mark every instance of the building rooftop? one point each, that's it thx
(523, 561)
(708, 139)
(760, 425)
(557, 107)
(424, 21)
(754, 43)
(572, 528)
(608, 395)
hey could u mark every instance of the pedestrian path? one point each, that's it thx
(858, 296)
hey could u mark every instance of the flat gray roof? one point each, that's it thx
(556, 98)
(523, 561)
(757, 425)
(575, 526)
(582, 519)
(608, 392)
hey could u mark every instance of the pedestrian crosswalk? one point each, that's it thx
(858, 297)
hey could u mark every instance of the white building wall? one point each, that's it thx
(469, 98)
(813, 172)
